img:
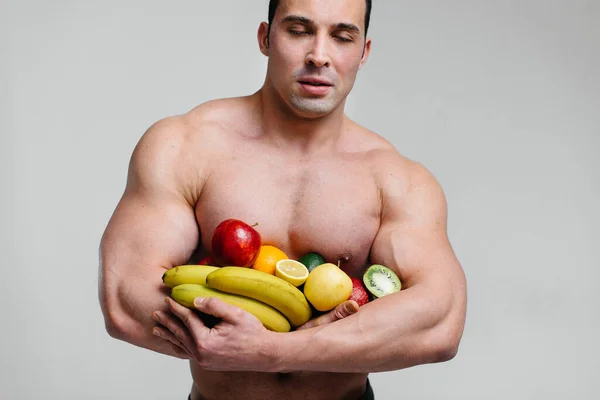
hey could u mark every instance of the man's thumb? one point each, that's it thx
(346, 309)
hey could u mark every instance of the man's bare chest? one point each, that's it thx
(332, 209)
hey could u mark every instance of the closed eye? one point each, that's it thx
(343, 39)
(298, 33)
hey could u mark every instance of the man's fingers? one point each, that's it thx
(343, 310)
(170, 339)
(179, 352)
(346, 309)
(190, 320)
(219, 309)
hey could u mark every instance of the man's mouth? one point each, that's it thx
(314, 83)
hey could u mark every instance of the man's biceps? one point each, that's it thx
(411, 254)
(144, 228)
(156, 209)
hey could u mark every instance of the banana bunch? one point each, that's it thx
(279, 305)
(272, 319)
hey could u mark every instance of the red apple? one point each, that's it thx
(235, 243)
(359, 292)
(208, 260)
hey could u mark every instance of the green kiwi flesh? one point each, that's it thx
(381, 281)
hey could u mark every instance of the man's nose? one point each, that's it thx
(318, 54)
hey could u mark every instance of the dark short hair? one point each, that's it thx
(273, 4)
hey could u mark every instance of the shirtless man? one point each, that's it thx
(288, 157)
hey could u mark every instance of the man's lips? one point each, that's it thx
(315, 82)
(315, 89)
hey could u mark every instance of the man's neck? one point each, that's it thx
(293, 131)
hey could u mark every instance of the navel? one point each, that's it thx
(284, 376)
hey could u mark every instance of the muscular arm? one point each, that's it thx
(421, 324)
(152, 229)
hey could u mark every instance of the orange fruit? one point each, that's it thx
(267, 259)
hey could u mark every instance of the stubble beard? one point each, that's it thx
(312, 106)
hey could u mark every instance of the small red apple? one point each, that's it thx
(208, 260)
(359, 293)
(235, 243)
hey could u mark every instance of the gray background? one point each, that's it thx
(499, 99)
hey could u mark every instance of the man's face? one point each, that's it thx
(315, 51)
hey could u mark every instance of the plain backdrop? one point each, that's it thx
(500, 100)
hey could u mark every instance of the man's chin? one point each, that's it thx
(312, 109)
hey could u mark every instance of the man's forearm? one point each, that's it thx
(409, 328)
(128, 311)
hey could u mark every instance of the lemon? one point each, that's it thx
(327, 286)
(291, 271)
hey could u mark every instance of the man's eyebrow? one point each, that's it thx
(348, 26)
(296, 18)
(342, 25)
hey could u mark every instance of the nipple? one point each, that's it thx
(345, 257)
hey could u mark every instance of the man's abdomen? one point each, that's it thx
(210, 385)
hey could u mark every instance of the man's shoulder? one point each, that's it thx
(379, 151)
(394, 171)
(201, 125)
(179, 149)
(217, 110)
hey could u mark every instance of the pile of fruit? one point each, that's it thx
(261, 279)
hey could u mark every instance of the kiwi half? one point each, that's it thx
(381, 281)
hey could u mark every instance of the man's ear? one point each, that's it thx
(366, 52)
(263, 38)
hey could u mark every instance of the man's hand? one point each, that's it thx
(239, 342)
(343, 310)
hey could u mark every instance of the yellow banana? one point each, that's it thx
(264, 287)
(271, 319)
(187, 274)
